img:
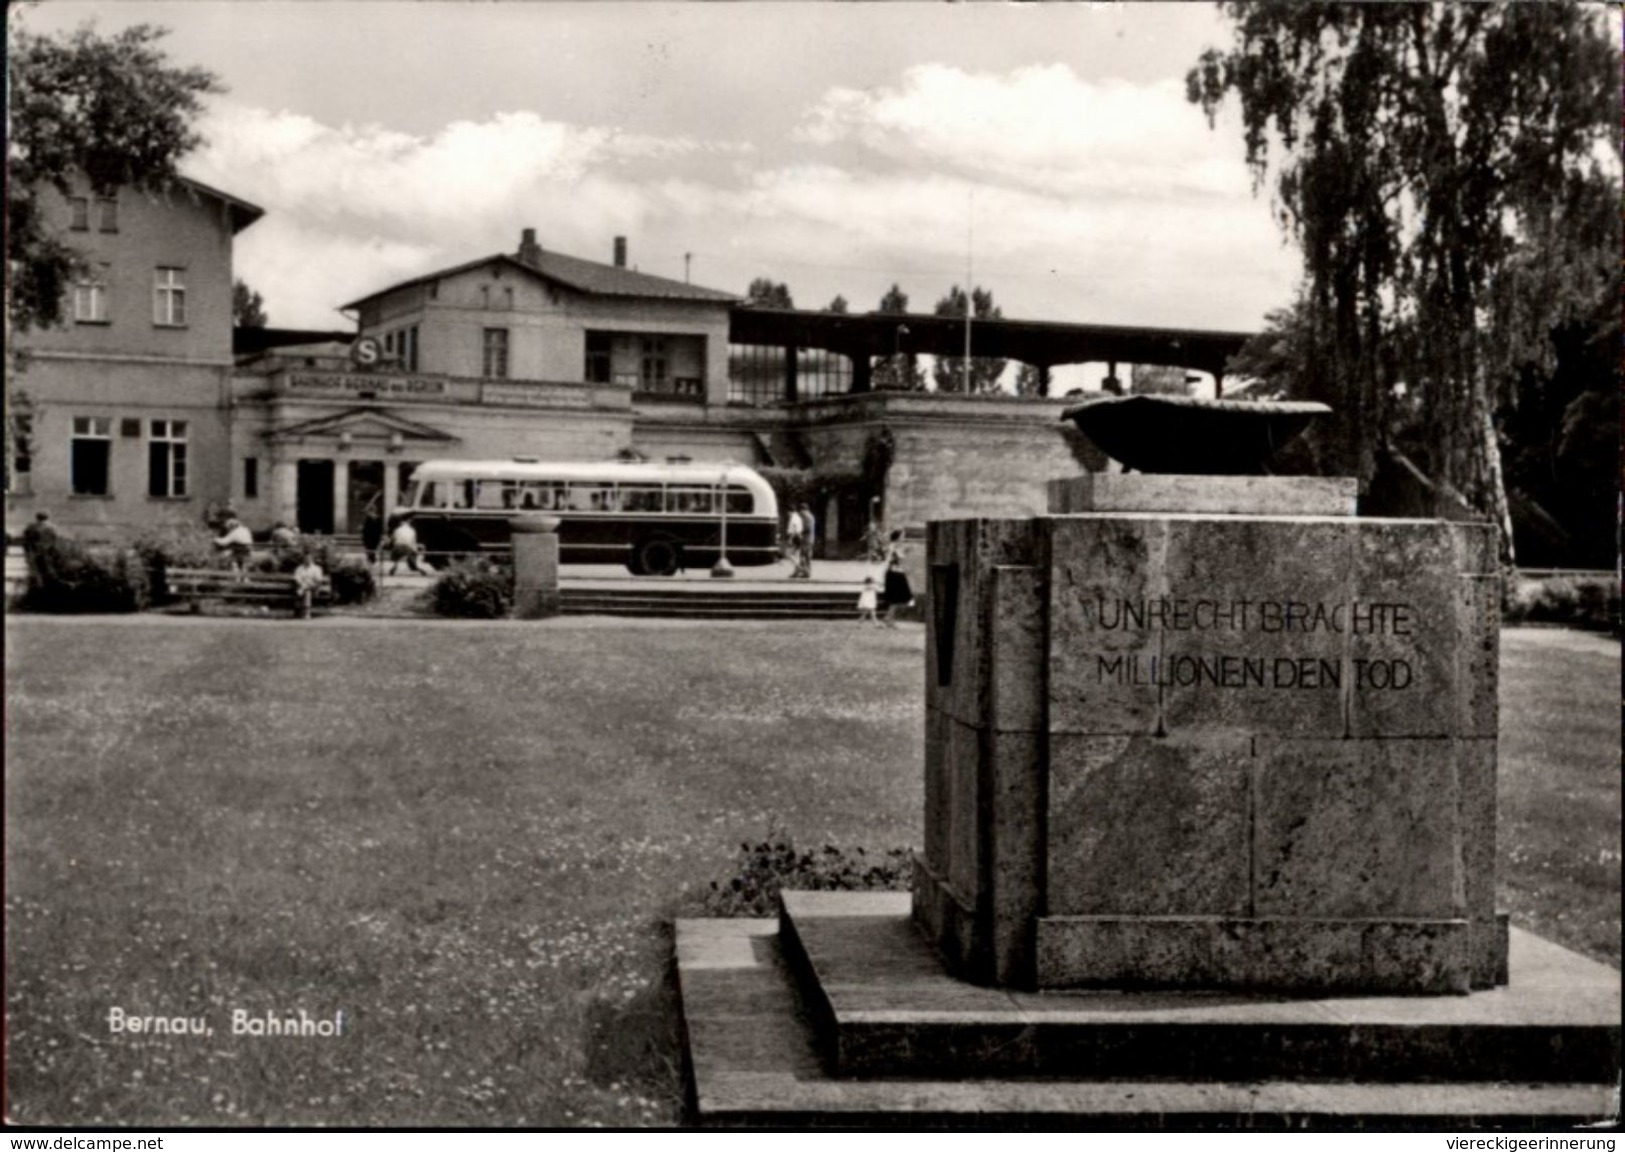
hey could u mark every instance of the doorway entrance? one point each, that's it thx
(366, 485)
(315, 496)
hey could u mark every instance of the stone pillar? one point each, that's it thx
(284, 490)
(535, 566)
(1212, 732)
(791, 386)
(392, 488)
(341, 495)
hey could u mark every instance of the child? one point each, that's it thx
(867, 602)
(308, 579)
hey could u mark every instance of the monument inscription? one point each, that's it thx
(1282, 617)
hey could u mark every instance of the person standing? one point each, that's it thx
(372, 530)
(238, 544)
(809, 537)
(403, 545)
(795, 535)
(39, 549)
(868, 598)
(897, 593)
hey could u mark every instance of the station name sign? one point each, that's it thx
(332, 382)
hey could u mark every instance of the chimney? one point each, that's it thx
(620, 251)
(530, 252)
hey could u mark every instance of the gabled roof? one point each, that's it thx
(242, 212)
(368, 421)
(586, 276)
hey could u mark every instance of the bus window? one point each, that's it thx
(493, 494)
(461, 495)
(427, 495)
(530, 497)
(694, 501)
(578, 497)
(739, 502)
(640, 498)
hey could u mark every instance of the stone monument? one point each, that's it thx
(1209, 796)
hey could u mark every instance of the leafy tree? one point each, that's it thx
(765, 293)
(949, 371)
(1420, 148)
(1275, 363)
(1030, 381)
(247, 306)
(837, 305)
(899, 372)
(112, 108)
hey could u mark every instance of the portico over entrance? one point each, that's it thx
(326, 471)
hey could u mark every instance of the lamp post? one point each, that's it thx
(722, 569)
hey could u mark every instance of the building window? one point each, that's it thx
(90, 301)
(251, 477)
(107, 213)
(598, 358)
(485, 296)
(166, 458)
(652, 370)
(169, 298)
(89, 452)
(409, 352)
(496, 352)
(79, 213)
(22, 449)
(507, 299)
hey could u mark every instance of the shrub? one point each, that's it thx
(1580, 602)
(761, 870)
(476, 589)
(66, 576)
(174, 546)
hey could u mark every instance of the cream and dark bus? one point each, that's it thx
(654, 518)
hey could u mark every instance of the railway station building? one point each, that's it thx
(147, 407)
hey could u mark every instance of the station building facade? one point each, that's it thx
(142, 413)
(540, 354)
(120, 417)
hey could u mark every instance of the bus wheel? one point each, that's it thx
(658, 558)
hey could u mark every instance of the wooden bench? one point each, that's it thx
(266, 589)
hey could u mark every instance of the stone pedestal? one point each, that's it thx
(535, 567)
(1249, 747)
(1209, 842)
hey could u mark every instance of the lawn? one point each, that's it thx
(470, 838)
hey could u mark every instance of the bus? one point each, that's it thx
(654, 518)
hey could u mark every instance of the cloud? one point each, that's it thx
(1109, 202)
(1039, 126)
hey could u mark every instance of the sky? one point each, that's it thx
(1047, 150)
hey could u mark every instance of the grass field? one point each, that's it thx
(470, 838)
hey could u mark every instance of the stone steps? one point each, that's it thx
(841, 1015)
(682, 603)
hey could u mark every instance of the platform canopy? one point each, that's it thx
(1041, 343)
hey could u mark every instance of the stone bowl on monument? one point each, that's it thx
(1209, 829)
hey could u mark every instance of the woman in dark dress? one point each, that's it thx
(896, 592)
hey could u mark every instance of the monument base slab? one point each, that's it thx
(760, 1046)
(1428, 957)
